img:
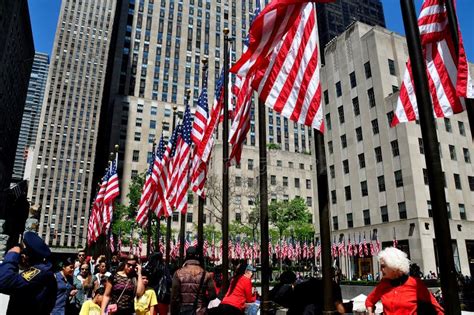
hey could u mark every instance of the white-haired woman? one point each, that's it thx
(400, 293)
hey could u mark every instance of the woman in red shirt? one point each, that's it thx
(240, 292)
(399, 292)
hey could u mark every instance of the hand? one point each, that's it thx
(139, 269)
(73, 292)
(15, 249)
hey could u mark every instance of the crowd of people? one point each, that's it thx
(83, 286)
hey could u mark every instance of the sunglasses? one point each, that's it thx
(85, 269)
(131, 265)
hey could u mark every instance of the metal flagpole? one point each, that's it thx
(168, 219)
(453, 25)
(225, 168)
(201, 199)
(447, 274)
(149, 240)
(182, 232)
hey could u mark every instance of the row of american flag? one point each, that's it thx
(281, 62)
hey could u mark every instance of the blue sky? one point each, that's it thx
(44, 16)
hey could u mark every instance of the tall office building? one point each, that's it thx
(61, 180)
(334, 18)
(377, 175)
(31, 113)
(16, 58)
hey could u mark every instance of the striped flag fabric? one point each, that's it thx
(112, 191)
(201, 115)
(283, 57)
(95, 217)
(111, 243)
(448, 75)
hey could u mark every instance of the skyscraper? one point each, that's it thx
(16, 58)
(32, 112)
(61, 181)
(334, 18)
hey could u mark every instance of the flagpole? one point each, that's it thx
(183, 214)
(148, 241)
(453, 26)
(168, 219)
(107, 233)
(225, 168)
(447, 269)
(201, 199)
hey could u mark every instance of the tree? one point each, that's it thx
(283, 214)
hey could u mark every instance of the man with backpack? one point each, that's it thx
(192, 287)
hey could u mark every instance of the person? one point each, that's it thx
(146, 304)
(122, 288)
(189, 286)
(160, 280)
(399, 292)
(100, 278)
(65, 288)
(239, 292)
(84, 284)
(92, 307)
(33, 290)
(114, 264)
(81, 258)
(282, 293)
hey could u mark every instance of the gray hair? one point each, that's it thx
(395, 259)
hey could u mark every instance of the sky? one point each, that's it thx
(44, 16)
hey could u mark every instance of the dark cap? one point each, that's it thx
(36, 245)
(250, 268)
(191, 252)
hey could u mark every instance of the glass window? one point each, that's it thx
(375, 126)
(457, 181)
(344, 141)
(332, 171)
(361, 160)
(333, 197)
(309, 201)
(340, 110)
(395, 149)
(347, 191)
(420, 146)
(273, 180)
(402, 210)
(297, 183)
(398, 178)
(135, 155)
(462, 211)
(335, 224)
(462, 130)
(353, 79)
(338, 89)
(391, 67)
(359, 134)
(238, 217)
(285, 181)
(345, 165)
(368, 71)
(384, 213)
(308, 184)
(363, 188)
(381, 183)
(378, 154)
(250, 164)
(371, 95)
(366, 214)
(189, 217)
(355, 106)
(430, 208)
(452, 152)
(467, 155)
(350, 221)
(447, 123)
(326, 97)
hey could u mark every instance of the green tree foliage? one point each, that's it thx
(286, 214)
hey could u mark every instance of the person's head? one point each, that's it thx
(287, 277)
(66, 266)
(98, 295)
(114, 258)
(393, 263)
(85, 270)
(81, 256)
(131, 265)
(34, 250)
(191, 253)
(249, 271)
(102, 267)
(145, 277)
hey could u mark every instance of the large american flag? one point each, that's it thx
(181, 167)
(201, 114)
(448, 74)
(283, 58)
(111, 192)
(95, 217)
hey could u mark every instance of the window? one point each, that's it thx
(378, 154)
(452, 152)
(309, 201)
(134, 174)
(290, 164)
(462, 211)
(402, 210)
(333, 197)
(430, 208)
(249, 182)
(471, 182)
(363, 188)
(381, 182)
(297, 183)
(328, 121)
(350, 221)
(308, 184)
(353, 79)
(238, 217)
(279, 163)
(326, 97)
(395, 89)
(137, 136)
(285, 181)
(361, 160)
(384, 213)
(420, 146)
(359, 134)
(301, 166)
(345, 165)
(135, 155)
(330, 147)
(175, 217)
(347, 191)
(189, 217)
(391, 67)
(371, 95)
(457, 181)
(273, 179)
(340, 110)
(398, 178)
(425, 176)
(447, 124)
(338, 89)
(395, 149)
(462, 130)
(390, 117)
(368, 71)
(343, 141)
(467, 155)
(238, 181)
(448, 208)
(375, 126)
(366, 217)
(332, 172)
(335, 224)
(355, 106)
(250, 164)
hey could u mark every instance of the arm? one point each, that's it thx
(106, 298)
(175, 296)
(140, 286)
(249, 296)
(374, 297)
(340, 307)
(211, 288)
(10, 279)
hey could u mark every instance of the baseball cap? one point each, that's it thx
(36, 245)
(250, 268)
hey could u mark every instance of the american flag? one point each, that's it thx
(341, 248)
(361, 247)
(334, 249)
(205, 248)
(111, 192)
(111, 243)
(448, 74)
(181, 167)
(366, 249)
(95, 217)
(119, 243)
(287, 82)
(201, 115)
(318, 250)
(311, 250)
(349, 247)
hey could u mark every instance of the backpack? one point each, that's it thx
(163, 289)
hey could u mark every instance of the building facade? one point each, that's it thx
(377, 174)
(16, 57)
(61, 180)
(31, 113)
